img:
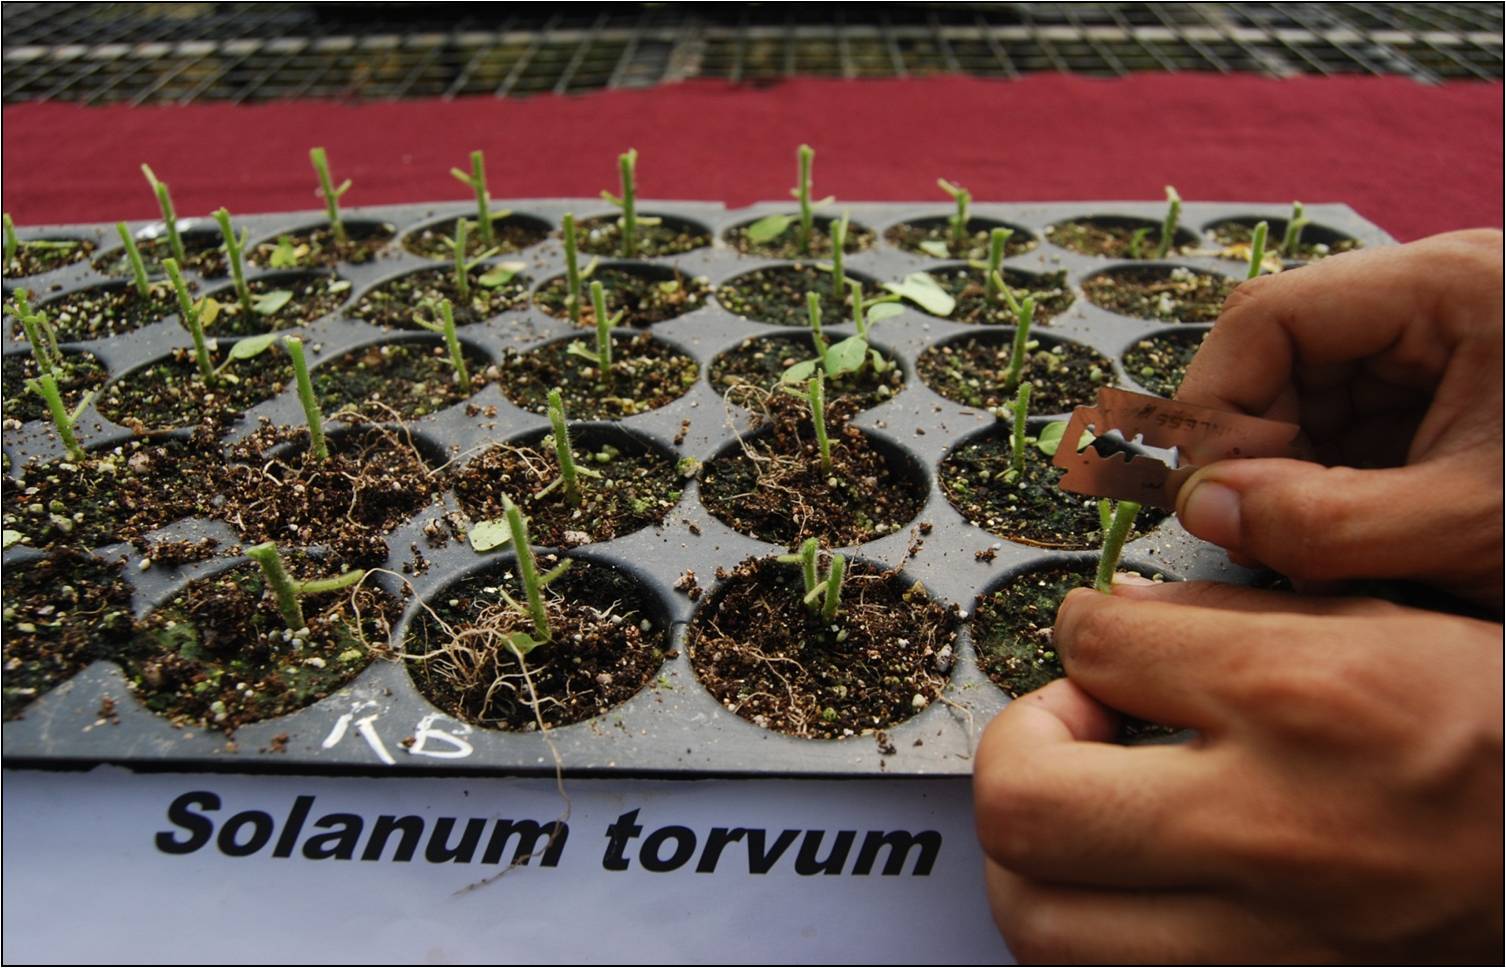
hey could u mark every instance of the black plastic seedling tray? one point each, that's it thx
(673, 726)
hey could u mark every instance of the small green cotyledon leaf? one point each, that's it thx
(921, 289)
(270, 302)
(884, 310)
(846, 356)
(252, 346)
(501, 274)
(769, 227)
(486, 535)
(934, 247)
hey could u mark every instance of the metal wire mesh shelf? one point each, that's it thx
(166, 52)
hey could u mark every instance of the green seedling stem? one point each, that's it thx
(838, 244)
(462, 270)
(627, 174)
(191, 319)
(604, 324)
(20, 301)
(1294, 227)
(43, 342)
(808, 551)
(803, 192)
(1002, 288)
(1257, 249)
(169, 215)
(1017, 438)
(822, 594)
(997, 239)
(1105, 514)
(1023, 319)
(133, 254)
(445, 326)
(287, 591)
(234, 250)
(835, 572)
(1169, 226)
(813, 308)
(859, 311)
(528, 571)
(562, 449)
(816, 394)
(572, 269)
(12, 243)
(1137, 243)
(958, 222)
(331, 194)
(483, 199)
(1113, 544)
(46, 387)
(317, 445)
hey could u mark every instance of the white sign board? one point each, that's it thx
(109, 866)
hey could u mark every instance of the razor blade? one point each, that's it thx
(1144, 448)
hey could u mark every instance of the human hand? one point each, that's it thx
(1343, 800)
(1388, 358)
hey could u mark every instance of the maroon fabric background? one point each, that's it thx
(1415, 160)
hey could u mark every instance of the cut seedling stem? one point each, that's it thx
(1137, 243)
(446, 328)
(528, 572)
(1113, 544)
(1294, 227)
(958, 221)
(1017, 438)
(233, 253)
(1169, 226)
(816, 394)
(133, 254)
(191, 319)
(169, 216)
(477, 181)
(1022, 323)
(803, 193)
(317, 445)
(1105, 515)
(835, 572)
(46, 387)
(823, 594)
(997, 239)
(1257, 249)
(331, 193)
(287, 591)
(462, 278)
(12, 243)
(627, 175)
(1010, 300)
(562, 451)
(572, 269)
(838, 244)
(604, 325)
(813, 308)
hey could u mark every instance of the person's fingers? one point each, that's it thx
(1058, 924)
(1052, 800)
(1403, 309)
(1436, 521)
(1238, 598)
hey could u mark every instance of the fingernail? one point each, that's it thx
(1211, 512)
(1131, 578)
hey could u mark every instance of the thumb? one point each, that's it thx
(1431, 522)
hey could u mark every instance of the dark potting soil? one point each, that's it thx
(1114, 236)
(771, 484)
(637, 488)
(219, 655)
(1159, 363)
(644, 294)
(37, 256)
(1032, 510)
(396, 302)
(374, 479)
(1166, 293)
(972, 371)
(61, 613)
(204, 249)
(786, 245)
(756, 364)
(171, 393)
(397, 381)
(672, 236)
(316, 248)
(933, 237)
(311, 296)
(106, 310)
(604, 647)
(513, 233)
(1316, 242)
(80, 373)
(116, 494)
(646, 374)
(777, 294)
(1050, 291)
(768, 658)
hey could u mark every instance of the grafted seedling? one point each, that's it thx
(476, 180)
(40, 335)
(813, 312)
(169, 214)
(1114, 534)
(1169, 224)
(1294, 226)
(1022, 320)
(570, 473)
(133, 256)
(806, 155)
(627, 170)
(994, 280)
(1021, 413)
(816, 396)
(317, 446)
(957, 221)
(288, 591)
(823, 593)
(234, 254)
(1257, 249)
(574, 275)
(533, 584)
(331, 194)
(445, 326)
(602, 357)
(193, 317)
(46, 387)
(838, 244)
